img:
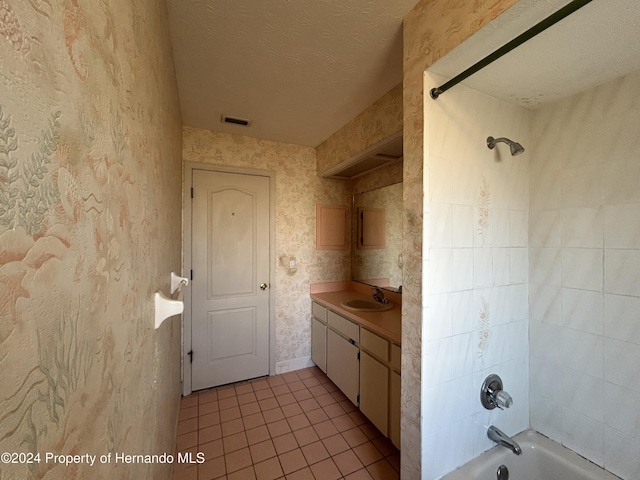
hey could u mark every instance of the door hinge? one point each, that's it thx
(358, 399)
(191, 274)
(191, 192)
(190, 356)
(358, 354)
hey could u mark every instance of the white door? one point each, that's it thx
(230, 286)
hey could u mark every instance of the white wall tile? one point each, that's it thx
(482, 267)
(583, 435)
(501, 266)
(620, 181)
(622, 226)
(621, 454)
(622, 318)
(546, 416)
(545, 303)
(583, 352)
(622, 409)
(519, 228)
(583, 393)
(441, 225)
(463, 312)
(583, 310)
(463, 268)
(463, 227)
(519, 302)
(546, 341)
(582, 227)
(519, 265)
(582, 187)
(621, 360)
(439, 361)
(622, 272)
(582, 268)
(439, 322)
(544, 228)
(545, 266)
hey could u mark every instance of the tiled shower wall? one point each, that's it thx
(475, 274)
(585, 274)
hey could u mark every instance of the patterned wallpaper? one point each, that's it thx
(90, 142)
(298, 190)
(379, 121)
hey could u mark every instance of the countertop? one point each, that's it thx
(387, 324)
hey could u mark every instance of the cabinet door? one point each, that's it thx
(374, 391)
(319, 344)
(394, 410)
(343, 365)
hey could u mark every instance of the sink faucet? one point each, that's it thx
(378, 296)
(501, 438)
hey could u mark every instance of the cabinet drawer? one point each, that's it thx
(319, 312)
(375, 344)
(346, 327)
(396, 356)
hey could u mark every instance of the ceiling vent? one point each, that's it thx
(235, 120)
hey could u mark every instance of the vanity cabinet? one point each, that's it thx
(319, 336)
(362, 364)
(343, 365)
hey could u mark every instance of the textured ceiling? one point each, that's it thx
(595, 44)
(298, 69)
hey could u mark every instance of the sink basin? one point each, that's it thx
(366, 305)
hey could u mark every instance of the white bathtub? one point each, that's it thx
(541, 459)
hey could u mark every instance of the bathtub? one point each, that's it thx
(541, 459)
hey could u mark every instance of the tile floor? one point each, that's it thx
(294, 426)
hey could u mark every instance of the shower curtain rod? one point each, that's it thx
(516, 42)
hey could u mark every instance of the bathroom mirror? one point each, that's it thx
(376, 250)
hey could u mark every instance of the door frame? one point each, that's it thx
(187, 219)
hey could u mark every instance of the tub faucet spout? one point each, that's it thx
(501, 438)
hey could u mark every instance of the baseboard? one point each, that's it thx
(285, 366)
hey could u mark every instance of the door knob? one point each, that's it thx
(263, 286)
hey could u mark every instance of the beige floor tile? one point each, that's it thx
(257, 435)
(354, 437)
(208, 396)
(262, 451)
(291, 410)
(265, 393)
(189, 401)
(210, 407)
(238, 460)
(234, 442)
(316, 416)
(297, 426)
(325, 470)
(211, 449)
(232, 427)
(367, 453)
(268, 470)
(298, 422)
(325, 429)
(292, 461)
(209, 420)
(187, 413)
(382, 470)
(314, 452)
(304, 474)
(347, 462)
(253, 421)
(187, 426)
(250, 409)
(244, 474)
(335, 444)
(285, 443)
(209, 434)
(362, 474)
(211, 469)
(187, 440)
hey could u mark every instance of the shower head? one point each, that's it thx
(516, 148)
